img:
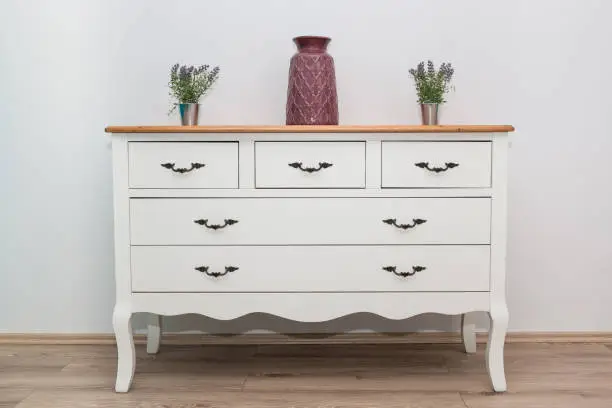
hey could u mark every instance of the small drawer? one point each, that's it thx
(183, 164)
(310, 164)
(407, 164)
(447, 268)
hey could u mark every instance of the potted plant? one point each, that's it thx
(187, 85)
(431, 85)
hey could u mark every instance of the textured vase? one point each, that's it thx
(311, 93)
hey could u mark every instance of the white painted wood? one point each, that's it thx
(126, 354)
(495, 345)
(310, 307)
(303, 221)
(347, 160)
(399, 159)
(373, 163)
(310, 193)
(154, 329)
(311, 137)
(499, 209)
(310, 269)
(320, 241)
(121, 212)
(468, 333)
(498, 309)
(246, 159)
(122, 311)
(220, 162)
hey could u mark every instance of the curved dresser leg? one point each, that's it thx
(468, 333)
(154, 333)
(495, 346)
(126, 355)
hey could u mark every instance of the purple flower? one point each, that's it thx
(430, 68)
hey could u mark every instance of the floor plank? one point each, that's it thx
(9, 398)
(544, 359)
(597, 399)
(341, 375)
(59, 351)
(534, 400)
(334, 351)
(388, 383)
(358, 399)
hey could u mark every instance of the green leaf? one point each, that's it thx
(431, 84)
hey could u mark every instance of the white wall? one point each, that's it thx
(69, 68)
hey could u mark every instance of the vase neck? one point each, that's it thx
(312, 44)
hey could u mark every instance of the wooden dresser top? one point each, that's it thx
(314, 129)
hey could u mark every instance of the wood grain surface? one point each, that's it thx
(313, 129)
(307, 375)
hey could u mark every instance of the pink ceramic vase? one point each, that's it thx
(311, 94)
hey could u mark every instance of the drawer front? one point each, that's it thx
(310, 268)
(183, 164)
(310, 164)
(307, 221)
(407, 164)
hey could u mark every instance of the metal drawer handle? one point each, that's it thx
(448, 165)
(415, 222)
(226, 222)
(194, 166)
(322, 165)
(393, 269)
(204, 269)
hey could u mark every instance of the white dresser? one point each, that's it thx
(310, 224)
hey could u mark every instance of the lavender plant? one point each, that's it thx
(188, 83)
(431, 85)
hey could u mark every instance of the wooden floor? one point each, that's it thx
(388, 375)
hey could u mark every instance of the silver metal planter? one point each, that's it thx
(429, 113)
(189, 113)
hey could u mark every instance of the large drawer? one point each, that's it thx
(310, 269)
(310, 164)
(306, 221)
(408, 164)
(183, 164)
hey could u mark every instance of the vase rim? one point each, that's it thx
(314, 37)
(308, 41)
(311, 43)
